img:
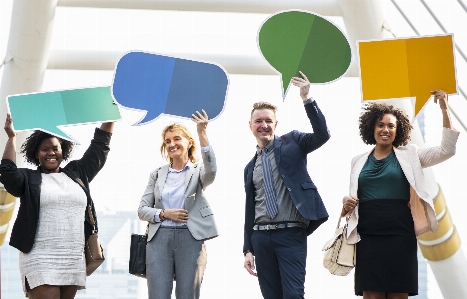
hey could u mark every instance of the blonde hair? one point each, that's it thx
(186, 134)
(263, 105)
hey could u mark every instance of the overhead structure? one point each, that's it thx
(23, 71)
(28, 57)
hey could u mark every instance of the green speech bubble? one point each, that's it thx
(47, 111)
(293, 41)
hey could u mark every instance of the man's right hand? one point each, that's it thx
(249, 264)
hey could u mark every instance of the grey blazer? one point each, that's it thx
(200, 217)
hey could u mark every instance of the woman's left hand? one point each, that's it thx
(201, 121)
(442, 97)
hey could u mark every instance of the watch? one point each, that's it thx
(246, 251)
(161, 215)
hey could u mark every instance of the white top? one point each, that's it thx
(57, 256)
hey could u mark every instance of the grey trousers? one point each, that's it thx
(173, 253)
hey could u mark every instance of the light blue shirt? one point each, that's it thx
(173, 193)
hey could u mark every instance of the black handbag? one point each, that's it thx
(137, 264)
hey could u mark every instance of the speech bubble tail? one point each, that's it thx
(56, 131)
(148, 117)
(420, 102)
(285, 90)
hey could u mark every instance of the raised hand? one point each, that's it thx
(304, 85)
(442, 97)
(9, 126)
(201, 121)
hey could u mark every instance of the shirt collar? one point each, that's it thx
(187, 166)
(269, 147)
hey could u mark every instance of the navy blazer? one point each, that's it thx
(290, 152)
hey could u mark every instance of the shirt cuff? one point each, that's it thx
(205, 149)
(309, 101)
(156, 216)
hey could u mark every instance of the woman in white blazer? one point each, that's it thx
(179, 215)
(389, 203)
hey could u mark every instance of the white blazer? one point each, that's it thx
(412, 160)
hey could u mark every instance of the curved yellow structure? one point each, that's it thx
(445, 242)
(7, 206)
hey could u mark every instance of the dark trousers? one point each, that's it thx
(280, 257)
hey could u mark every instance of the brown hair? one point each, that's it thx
(186, 134)
(374, 112)
(263, 105)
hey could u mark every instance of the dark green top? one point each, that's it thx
(383, 179)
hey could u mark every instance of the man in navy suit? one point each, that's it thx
(283, 205)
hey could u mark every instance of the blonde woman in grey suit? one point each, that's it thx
(179, 215)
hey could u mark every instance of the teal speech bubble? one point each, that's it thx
(293, 41)
(46, 111)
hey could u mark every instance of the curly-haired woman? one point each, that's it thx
(389, 202)
(52, 224)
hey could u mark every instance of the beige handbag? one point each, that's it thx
(339, 256)
(93, 249)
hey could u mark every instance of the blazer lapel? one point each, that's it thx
(162, 176)
(189, 201)
(355, 173)
(277, 150)
(406, 165)
(188, 175)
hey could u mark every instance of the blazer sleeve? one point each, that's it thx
(309, 142)
(12, 178)
(209, 168)
(434, 155)
(146, 210)
(95, 156)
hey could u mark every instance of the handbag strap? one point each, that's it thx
(91, 218)
(147, 230)
(347, 217)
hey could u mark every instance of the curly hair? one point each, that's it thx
(186, 134)
(374, 112)
(32, 143)
(264, 105)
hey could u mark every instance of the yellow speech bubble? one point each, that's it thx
(409, 67)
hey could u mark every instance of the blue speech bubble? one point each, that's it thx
(166, 85)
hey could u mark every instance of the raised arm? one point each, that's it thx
(308, 142)
(433, 155)
(201, 121)
(10, 147)
(208, 173)
(95, 156)
(108, 127)
(442, 97)
(10, 176)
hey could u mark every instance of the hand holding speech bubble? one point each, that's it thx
(166, 85)
(293, 41)
(46, 111)
(407, 67)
